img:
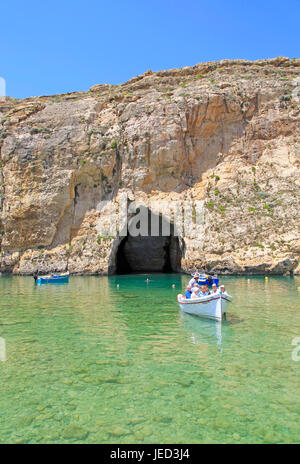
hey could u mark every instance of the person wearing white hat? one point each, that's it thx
(222, 289)
(214, 288)
(196, 293)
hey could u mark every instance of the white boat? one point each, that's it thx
(211, 306)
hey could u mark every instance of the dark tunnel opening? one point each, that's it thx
(148, 254)
(161, 252)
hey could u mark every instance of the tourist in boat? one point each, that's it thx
(188, 292)
(207, 291)
(194, 280)
(214, 288)
(196, 293)
(204, 291)
(222, 289)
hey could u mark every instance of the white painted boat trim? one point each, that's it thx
(211, 306)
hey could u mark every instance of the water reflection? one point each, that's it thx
(91, 363)
(202, 330)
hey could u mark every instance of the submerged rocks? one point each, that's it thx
(75, 432)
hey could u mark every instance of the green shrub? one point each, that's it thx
(104, 237)
(210, 205)
(259, 245)
(194, 214)
(68, 250)
(38, 130)
(113, 144)
(285, 98)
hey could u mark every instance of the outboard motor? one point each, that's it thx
(35, 276)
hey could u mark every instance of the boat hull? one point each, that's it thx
(211, 306)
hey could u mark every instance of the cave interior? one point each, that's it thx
(150, 253)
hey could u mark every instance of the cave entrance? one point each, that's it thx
(142, 254)
(148, 254)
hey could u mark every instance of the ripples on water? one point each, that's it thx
(87, 362)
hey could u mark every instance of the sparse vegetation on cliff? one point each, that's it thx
(224, 133)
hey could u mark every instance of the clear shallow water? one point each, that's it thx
(89, 363)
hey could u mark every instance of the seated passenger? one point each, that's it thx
(222, 289)
(194, 280)
(196, 293)
(207, 289)
(204, 290)
(214, 288)
(188, 292)
(196, 286)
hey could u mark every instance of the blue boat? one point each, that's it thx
(56, 278)
(205, 279)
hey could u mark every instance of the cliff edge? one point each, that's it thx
(222, 137)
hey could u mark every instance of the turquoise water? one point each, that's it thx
(87, 362)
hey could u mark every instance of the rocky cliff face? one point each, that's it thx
(222, 137)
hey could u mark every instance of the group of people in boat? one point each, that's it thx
(195, 290)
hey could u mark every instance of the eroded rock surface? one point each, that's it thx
(224, 135)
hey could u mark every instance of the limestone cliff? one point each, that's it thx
(223, 135)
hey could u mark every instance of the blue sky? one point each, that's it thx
(61, 46)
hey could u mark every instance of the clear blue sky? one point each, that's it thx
(59, 46)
